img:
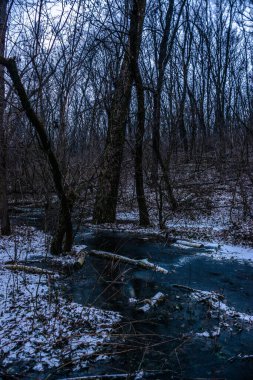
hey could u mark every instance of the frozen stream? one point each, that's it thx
(190, 335)
(178, 339)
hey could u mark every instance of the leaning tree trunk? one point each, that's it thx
(64, 229)
(109, 176)
(4, 216)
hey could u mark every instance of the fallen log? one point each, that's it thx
(154, 301)
(192, 290)
(181, 246)
(184, 287)
(241, 357)
(130, 376)
(213, 246)
(143, 264)
(119, 376)
(80, 261)
(25, 268)
(190, 244)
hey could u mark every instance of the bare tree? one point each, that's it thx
(107, 194)
(139, 134)
(4, 217)
(163, 53)
(64, 229)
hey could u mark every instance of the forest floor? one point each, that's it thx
(213, 206)
(216, 227)
(39, 329)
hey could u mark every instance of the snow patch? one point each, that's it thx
(219, 308)
(229, 252)
(24, 244)
(211, 334)
(130, 216)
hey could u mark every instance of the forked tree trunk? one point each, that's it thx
(164, 53)
(109, 176)
(4, 216)
(64, 230)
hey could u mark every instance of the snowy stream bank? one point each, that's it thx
(42, 332)
(39, 329)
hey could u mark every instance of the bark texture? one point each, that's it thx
(140, 129)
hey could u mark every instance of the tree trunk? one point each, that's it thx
(143, 210)
(165, 49)
(65, 225)
(183, 132)
(109, 176)
(156, 136)
(181, 123)
(169, 189)
(4, 216)
(64, 231)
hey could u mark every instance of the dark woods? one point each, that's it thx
(108, 103)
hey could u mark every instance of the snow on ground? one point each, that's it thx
(228, 252)
(218, 308)
(218, 252)
(235, 252)
(39, 328)
(210, 334)
(209, 209)
(25, 243)
(128, 216)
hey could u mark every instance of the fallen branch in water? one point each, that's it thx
(130, 376)
(192, 290)
(190, 244)
(119, 376)
(154, 301)
(184, 287)
(241, 357)
(143, 264)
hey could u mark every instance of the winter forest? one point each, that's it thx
(126, 189)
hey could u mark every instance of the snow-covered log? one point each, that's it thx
(188, 243)
(120, 376)
(197, 291)
(241, 357)
(25, 268)
(154, 301)
(143, 264)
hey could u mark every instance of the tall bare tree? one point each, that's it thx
(163, 53)
(109, 176)
(4, 217)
